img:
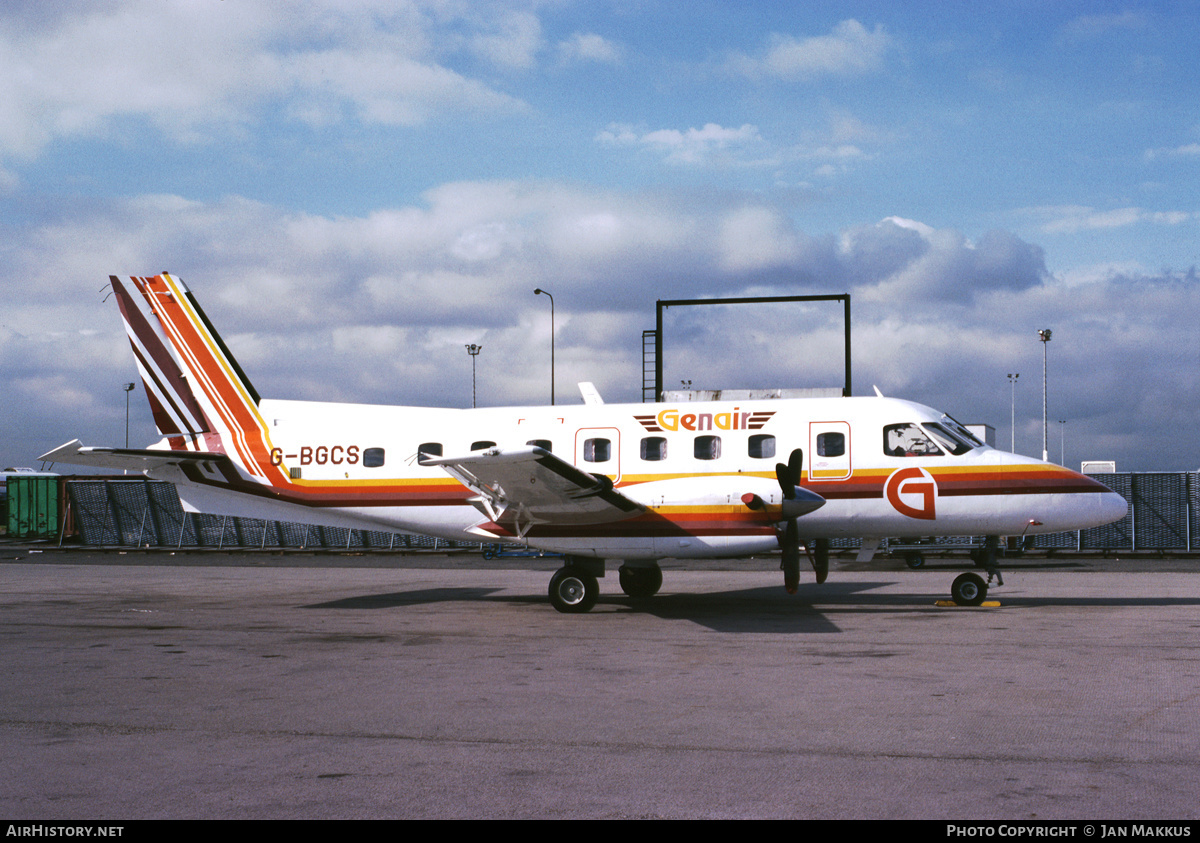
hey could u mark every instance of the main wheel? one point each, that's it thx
(640, 582)
(968, 590)
(573, 590)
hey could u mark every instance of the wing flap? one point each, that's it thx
(522, 487)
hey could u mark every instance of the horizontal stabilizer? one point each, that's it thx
(127, 459)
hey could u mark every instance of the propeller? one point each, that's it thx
(797, 501)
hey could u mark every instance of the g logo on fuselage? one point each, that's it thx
(907, 486)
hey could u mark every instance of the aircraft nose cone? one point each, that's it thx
(1113, 506)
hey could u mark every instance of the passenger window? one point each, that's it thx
(907, 440)
(597, 450)
(707, 447)
(544, 444)
(654, 448)
(427, 451)
(831, 444)
(761, 447)
(482, 444)
(373, 457)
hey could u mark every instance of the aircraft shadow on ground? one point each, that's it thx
(760, 609)
(770, 608)
(398, 599)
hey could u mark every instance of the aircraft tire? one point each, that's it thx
(968, 590)
(642, 582)
(573, 590)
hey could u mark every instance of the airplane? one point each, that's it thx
(630, 482)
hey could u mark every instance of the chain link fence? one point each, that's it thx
(1164, 515)
(147, 513)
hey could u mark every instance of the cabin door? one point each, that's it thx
(828, 450)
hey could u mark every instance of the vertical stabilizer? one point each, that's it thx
(200, 397)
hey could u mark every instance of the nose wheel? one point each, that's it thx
(968, 590)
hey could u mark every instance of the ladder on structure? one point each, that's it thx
(649, 366)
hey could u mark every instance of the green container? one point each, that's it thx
(32, 507)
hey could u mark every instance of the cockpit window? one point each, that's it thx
(948, 439)
(908, 440)
(962, 431)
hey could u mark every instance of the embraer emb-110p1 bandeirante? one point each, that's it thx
(595, 481)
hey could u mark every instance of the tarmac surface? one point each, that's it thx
(159, 685)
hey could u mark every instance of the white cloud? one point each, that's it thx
(710, 144)
(588, 47)
(1071, 219)
(1187, 150)
(511, 39)
(756, 238)
(849, 50)
(375, 308)
(203, 68)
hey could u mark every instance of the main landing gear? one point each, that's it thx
(640, 581)
(970, 589)
(574, 587)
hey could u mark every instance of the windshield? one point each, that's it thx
(907, 440)
(962, 431)
(948, 439)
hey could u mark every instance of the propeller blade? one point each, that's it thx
(789, 475)
(791, 557)
(784, 475)
(796, 466)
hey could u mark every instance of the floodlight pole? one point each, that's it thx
(473, 350)
(128, 387)
(1044, 336)
(540, 292)
(1012, 379)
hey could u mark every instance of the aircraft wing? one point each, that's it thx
(527, 486)
(131, 459)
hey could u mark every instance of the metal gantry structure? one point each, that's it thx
(663, 304)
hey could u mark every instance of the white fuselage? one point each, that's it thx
(689, 464)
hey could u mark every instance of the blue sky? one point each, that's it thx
(356, 190)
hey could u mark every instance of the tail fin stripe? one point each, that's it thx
(222, 387)
(157, 365)
(169, 416)
(225, 352)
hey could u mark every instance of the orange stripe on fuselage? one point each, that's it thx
(952, 482)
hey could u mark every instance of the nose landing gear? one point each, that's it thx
(969, 589)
